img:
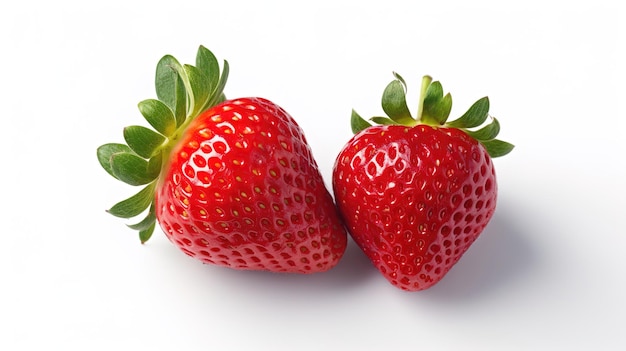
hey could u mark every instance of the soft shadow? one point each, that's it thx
(353, 270)
(502, 255)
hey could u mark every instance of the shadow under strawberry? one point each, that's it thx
(502, 256)
(351, 273)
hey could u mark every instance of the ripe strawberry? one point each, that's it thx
(231, 182)
(416, 193)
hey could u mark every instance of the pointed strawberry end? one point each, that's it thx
(434, 109)
(183, 92)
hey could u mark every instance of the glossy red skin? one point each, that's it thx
(414, 199)
(243, 191)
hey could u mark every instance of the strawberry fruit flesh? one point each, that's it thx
(242, 190)
(416, 198)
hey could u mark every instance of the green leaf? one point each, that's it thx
(166, 80)
(475, 115)
(394, 102)
(434, 107)
(358, 123)
(146, 222)
(488, 132)
(146, 234)
(497, 148)
(182, 102)
(106, 151)
(134, 205)
(171, 87)
(142, 140)
(434, 93)
(154, 165)
(159, 115)
(207, 64)
(440, 110)
(217, 95)
(383, 120)
(399, 77)
(131, 169)
(200, 88)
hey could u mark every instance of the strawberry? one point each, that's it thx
(415, 193)
(231, 182)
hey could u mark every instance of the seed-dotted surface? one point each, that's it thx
(413, 202)
(244, 191)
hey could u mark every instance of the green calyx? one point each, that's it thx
(434, 109)
(183, 92)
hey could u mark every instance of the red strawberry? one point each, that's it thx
(416, 193)
(232, 183)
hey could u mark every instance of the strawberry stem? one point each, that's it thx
(434, 109)
(426, 80)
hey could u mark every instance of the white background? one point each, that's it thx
(548, 273)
